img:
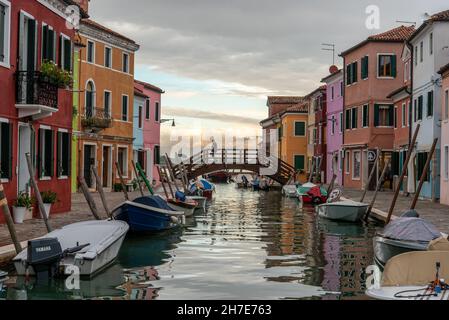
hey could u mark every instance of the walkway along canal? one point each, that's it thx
(249, 245)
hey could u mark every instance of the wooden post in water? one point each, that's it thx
(37, 192)
(89, 198)
(404, 172)
(137, 177)
(100, 191)
(371, 176)
(162, 181)
(424, 174)
(378, 186)
(9, 220)
(331, 185)
(119, 171)
(168, 182)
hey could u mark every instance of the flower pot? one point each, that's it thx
(19, 214)
(47, 207)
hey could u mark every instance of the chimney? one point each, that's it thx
(333, 69)
(84, 4)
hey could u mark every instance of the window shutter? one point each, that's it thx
(52, 153)
(39, 152)
(391, 116)
(365, 64)
(2, 33)
(67, 59)
(376, 115)
(69, 154)
(44, 43)
(61, 58)
(348, 119)
(393, 66)
(354, 71)
(348, 74)
(430, 103)
(10, 152)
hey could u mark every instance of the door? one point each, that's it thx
(27, 54)
(107, 169)
(89, 160)
(150, 165)
(25, 141)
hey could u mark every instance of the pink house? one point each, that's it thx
(151, 127)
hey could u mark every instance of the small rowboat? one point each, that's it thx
(188, 207)
(347, 210)
(202, 201)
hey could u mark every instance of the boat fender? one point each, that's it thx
(174, 219)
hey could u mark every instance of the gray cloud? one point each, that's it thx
(275, 45)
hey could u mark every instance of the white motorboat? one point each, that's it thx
(200, 200)
(91, 246)
(348, 210)
(290, 191)
(187, 207)
(417, 275)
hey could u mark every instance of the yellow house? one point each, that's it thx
(293, 146)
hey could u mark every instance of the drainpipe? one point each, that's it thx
(411, 105)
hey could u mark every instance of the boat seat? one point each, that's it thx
(416, 268)
(440, 244)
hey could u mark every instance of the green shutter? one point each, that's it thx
(299, 162)
(376, 115)
(300, 129)
(393, 66)
(44, 43)
(391, 116)
(430, 103)
(347, 119)
(354, 71)
(348, 74)
(365, 65)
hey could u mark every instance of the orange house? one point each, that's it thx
(106, 102)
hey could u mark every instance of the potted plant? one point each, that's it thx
(55, 75)
(21, 207)
(49, 198)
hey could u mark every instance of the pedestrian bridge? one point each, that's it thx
(252, 160)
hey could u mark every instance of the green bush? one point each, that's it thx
(49, 197)
(53, 74)
(23, 201)
(118, 187)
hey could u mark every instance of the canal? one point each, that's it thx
(248, 245)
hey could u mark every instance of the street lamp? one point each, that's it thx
(167, 120)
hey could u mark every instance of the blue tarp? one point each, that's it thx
(153, 201)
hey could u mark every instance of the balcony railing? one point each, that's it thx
(32, 88)
(96, 118)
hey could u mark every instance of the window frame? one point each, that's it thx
(60, 150)
(341, 123)
(124, 168)
(110, 102)
(62, 52)
(125, 70)
(49, 27)
(93, 51)
(294, 128)
(393, 72)
(333, 120)
(127, 108)
(431, 43)
(430, 104)
(157, 112)
(421, 51)
(365, 113)
(404, 115)
(353, 165)
(42, 151)
(105, 55)
(304, 161)
(148, 109)
(7, 35)
(140, 117)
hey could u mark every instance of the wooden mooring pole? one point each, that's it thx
(378, 187)
(162, 181)
(424, 174)
(371, 176)
(37, 192)
(101, 191)
(120, 175)
(9, 220)
(89, 198)
(404, 172)
(137, 177)
(332, 184)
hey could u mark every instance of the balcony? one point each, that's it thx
(36, 97)
(96, 119)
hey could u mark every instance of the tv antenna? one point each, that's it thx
(406, 22)
(329, 47)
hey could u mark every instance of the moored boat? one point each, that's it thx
(148, 214)
(289, 191)
(183, 206)
(201, 202)
(203, 188)
(91, 246)
(350, 211)
(310, 193)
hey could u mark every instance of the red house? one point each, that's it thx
(35, 110)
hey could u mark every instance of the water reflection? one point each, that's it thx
(248, 245)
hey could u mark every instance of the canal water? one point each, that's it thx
(248, 245)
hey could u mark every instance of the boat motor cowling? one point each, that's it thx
(44, 256)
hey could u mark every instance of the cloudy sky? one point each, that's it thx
(218, 60)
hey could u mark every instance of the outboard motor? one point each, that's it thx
(44, 256)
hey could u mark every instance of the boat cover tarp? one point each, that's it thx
(206, 185)
(411, 229)
(153, 201)
(417, 268)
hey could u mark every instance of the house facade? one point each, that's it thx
(106, 105)
(318, 103)
(444, 72)
(371, 74)
(140, 100)
(152, 110)
(430, 46)
(36, 112)
(334, 92)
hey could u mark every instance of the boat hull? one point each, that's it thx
(348, 213)
(385, 249)
(188, 210)
(202, 201)
(388, 293)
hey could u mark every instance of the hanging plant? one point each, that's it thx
(55, 75)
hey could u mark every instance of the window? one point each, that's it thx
(6, 134)
(341, 122)
(157, 155)
(383, 115)
(333, 125)
(332, 93)
(157, 112)
(299, 162)
(431, 44)
(341, 89)
(140, 117)
(395, 117)
(415, 110)
(430, 104)
(421, 51)
(365, 116)
(280, 132)
(420, 107)
(122, 159)
(416, 55)
(63, 154)
(65, 53)
(348, 164)
(446, 162)
(107, 103)
(446, 105)
(351, 73)
(125, 63)
(90, 99)
(421, 163)
(404, 115)
(90, 51)
(48, 44)
(354, 118)
(387, 66)
(348, 119)
(147, 109)
(300, 129)
(5, 18)
(365, 65)
(107, 57)
(315, 136)
(125, 108)
(357, 155)
(45, 155)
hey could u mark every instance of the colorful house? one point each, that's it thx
(151, 116)
(430, 46)
(372, 70)
(444, 72)
(334, 92)
(106, 104)
(140, 100)
(35, 113)
(317, 142)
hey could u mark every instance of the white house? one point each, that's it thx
(430, 45)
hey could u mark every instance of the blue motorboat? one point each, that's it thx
(148, 214)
